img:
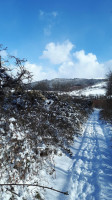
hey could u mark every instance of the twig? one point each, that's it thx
(13, 192)
(44, 187)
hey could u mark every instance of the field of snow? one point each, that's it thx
(88, 175)
(98, 89)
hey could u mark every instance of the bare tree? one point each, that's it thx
(109, 84)
(7, 78)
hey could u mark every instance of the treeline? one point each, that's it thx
(56, 86)
(62, 84)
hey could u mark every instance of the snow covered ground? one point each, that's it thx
(98, 89)
(88, 174)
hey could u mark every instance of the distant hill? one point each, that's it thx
(62, 84)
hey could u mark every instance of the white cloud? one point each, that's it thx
(49, 19)
(108, 66)
(57, 53)
(82, 65)
(47, 30)
(70, 69)
(83, 58)
(77, 64)
(87, 65)
(48, 14)
(67, 70)
(68, 64)
(36, 71)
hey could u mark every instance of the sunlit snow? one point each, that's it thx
(89, 174)
(98, 89)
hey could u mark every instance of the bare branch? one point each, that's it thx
(35, 185)
(13, 192)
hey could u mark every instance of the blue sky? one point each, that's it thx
(59, 38)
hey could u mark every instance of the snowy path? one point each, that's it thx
(90, 175)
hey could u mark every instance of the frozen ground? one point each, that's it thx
(88, 175)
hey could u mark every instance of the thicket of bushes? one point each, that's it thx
(106, 112)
